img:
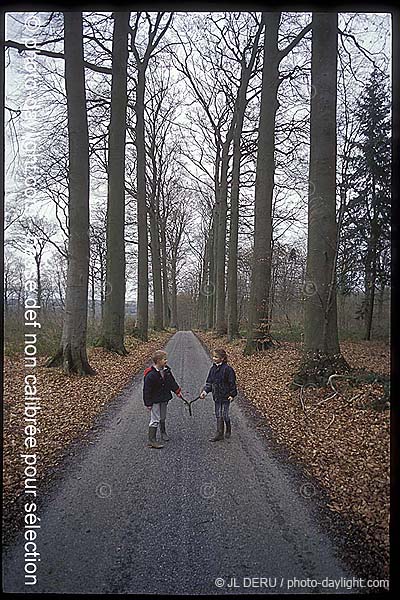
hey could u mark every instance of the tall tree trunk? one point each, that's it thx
(321, 342)
(233, 328)
(156, 269)
(165, 291)
(380, 303)
(143, 273)
(370, 311)
(258, 328)
(370, 283)
(371, 266)
(155, 34)
(215, 232)
(220, 320)
(211, 273)
(174, 302)
(204, 288)
(114, 307)
(72, 352)
(232, 286)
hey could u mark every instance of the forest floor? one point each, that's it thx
(69, 404)
(343, 442)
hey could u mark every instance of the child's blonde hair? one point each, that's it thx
(158, 354)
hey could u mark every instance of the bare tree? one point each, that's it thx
(156, 32)
(40, 231)
(114, 307)
(257, 336)
(162, 150)
(72, 352)
(174, 233)
(321, 342)
(241, 103)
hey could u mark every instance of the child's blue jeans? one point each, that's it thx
(222, 410)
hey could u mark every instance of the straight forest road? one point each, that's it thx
(125, 518)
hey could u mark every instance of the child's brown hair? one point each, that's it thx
(220, 352)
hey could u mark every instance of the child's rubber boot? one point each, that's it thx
(228, 430)
(152, 438)
(164, 436)
(220, 431)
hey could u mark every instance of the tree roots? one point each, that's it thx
(72, 360)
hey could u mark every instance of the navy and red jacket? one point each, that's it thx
(157, 388)
(221, 381)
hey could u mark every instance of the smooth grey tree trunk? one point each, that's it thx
(72, 353)
(232, 283)
(211, 273)
(156, 267)
(165, 287)
(113, 324)
(220, 250)
(154, 37)
(370, 284)
(232, 280)
(321, 341)
(258, 334)
(258, 327)
(204, 289)
(174, 294)
(143, 274)
(371, 266)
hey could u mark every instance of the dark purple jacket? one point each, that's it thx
(221, 381)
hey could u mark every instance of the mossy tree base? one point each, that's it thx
(258, 344)
(72, 360)
(316, 368)
(114, 346)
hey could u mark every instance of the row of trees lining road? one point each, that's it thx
(201, 130)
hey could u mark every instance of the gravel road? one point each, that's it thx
(186, 519)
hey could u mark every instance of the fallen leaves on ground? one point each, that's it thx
(343, 441)
(69, 405)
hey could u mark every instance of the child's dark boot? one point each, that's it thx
(220, 430)
(164, 436)
(152, 438)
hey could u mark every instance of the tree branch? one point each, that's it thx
(285, 51)
(21, 48)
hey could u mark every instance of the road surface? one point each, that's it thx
(186, 519)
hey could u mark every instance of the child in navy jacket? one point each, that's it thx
(157, 386)
(221, 381)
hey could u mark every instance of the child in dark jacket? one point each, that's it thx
(157, 386)
(221, 381)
